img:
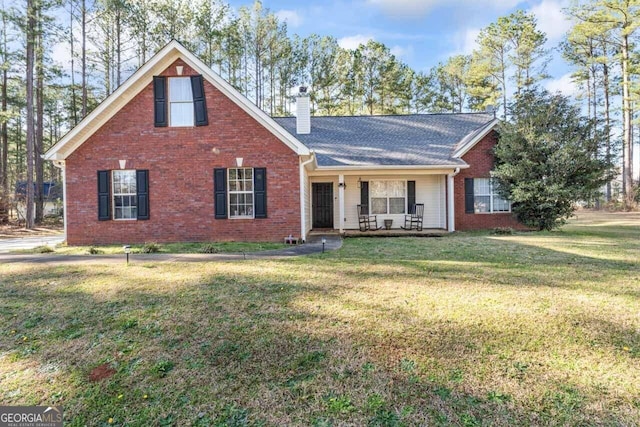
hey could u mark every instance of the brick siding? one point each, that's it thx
(181, 161)
(481, 161)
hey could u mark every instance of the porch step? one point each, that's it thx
(426, 232)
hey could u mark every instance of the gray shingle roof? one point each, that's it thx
(408, 140)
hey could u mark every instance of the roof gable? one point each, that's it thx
(140, 79)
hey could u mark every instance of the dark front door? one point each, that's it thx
(322, 204)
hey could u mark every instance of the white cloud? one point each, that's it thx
(401, 52)
(470, 40)
(352, 42)
(551, 19)
(464, 42)
(291, 17)
(565, 85)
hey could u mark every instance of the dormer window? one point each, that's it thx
(181, 110)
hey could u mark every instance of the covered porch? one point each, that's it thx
(333, 197)
(426, 232)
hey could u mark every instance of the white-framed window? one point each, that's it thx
(486, 198)
(388, 197)
(181, 111)
(125, 198)
(240, 181)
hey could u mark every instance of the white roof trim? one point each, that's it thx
(140, 79)
(465, 146)
(384, 167)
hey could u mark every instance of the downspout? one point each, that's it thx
(303, 213)
(61, 164)
(451, 227)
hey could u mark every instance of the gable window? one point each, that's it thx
(388, 197)
(125, 194)
(181, 111)
(241, 193)
(486, 198)
(180, 101)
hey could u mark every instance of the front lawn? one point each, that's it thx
(468, 329)
(151, 247)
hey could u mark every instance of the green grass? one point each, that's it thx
(469, 330)
(172, 248)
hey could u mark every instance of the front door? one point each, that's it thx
(322, 204)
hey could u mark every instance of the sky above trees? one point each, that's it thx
(421, 33)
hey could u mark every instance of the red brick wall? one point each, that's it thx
(180, 161)
(480, 159)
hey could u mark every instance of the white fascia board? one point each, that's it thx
(386, 167)
(472, 143)
(138, 81)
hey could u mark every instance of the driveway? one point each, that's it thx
(8, 245)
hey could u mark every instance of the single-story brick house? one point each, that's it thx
(177, 154)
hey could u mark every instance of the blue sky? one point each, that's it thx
(420, 32)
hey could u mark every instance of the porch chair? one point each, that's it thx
(414, 217)
(365, 220)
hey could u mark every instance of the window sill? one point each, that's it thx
(491, 213)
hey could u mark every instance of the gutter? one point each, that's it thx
(303, 213)
(388, 167)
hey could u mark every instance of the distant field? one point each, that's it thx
(469, 329)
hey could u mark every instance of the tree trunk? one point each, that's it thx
(118, 47)
(39, 137)
(4, 173)
(504, 87)
(84, 59)
(607, 118)
(74, 108)
(30, 30)
(627, 177)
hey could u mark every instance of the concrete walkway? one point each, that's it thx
(312, 247)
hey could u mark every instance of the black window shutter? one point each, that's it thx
(104, 196)
(220, 192)
(468, 195)
(160, 101)
(260, 192)
(199, 101)
(411, 195)
(364, 197)
(142, 185)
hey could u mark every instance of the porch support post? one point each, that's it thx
(341, 201)
(451, 214)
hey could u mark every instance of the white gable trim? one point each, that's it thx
(140, 80)
(470, 141)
